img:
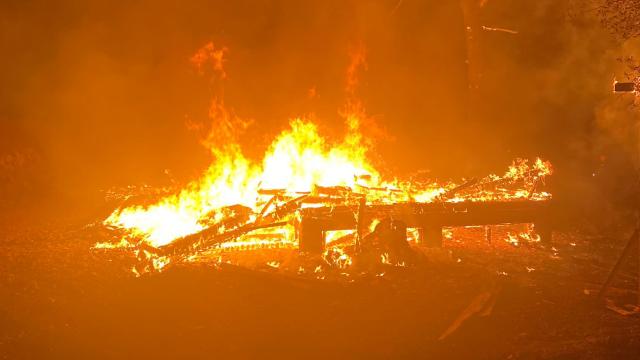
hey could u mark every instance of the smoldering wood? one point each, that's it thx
(280, 192)
(360, 224)
(343, 240)
(489, 182)
(264, 236)
(235, 233)
(237, 219)
(382, 189)
(467, 184)
(389, 235)
(272, 192)
(329, 200)
(285, 209)
(233, 217)
(208, 237)
(429, 217)
(267, 205)
(332, 190)
(230, 215)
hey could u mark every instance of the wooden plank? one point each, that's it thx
(430, 217)
(311, 235)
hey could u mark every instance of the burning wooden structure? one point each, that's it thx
(303, 219)
(428, 218)
(307, 186)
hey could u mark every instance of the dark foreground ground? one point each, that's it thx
(59, 299)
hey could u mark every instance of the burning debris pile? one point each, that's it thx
(309, 191)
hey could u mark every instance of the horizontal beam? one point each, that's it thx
(442, 214)
(429, 216)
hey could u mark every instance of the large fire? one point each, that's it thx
(299, 162)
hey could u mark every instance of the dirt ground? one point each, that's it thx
(60, 299)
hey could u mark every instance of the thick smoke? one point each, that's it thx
(98, 94)
(547, 90)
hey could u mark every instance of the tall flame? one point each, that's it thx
(296, 161)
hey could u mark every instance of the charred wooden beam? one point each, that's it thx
(467, 184)
(267, 205)
(429, 217)
(310, 232)
(234, 217)
(285, 209)
(360, 223)
(332, 190)
(624, 87)
(206, 239)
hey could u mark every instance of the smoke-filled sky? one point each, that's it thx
(97, 94)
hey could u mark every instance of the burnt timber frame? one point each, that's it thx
(428, 218)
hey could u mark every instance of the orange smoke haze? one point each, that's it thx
(97, 94)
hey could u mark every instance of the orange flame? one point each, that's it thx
(209, 54)
(298, 160)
